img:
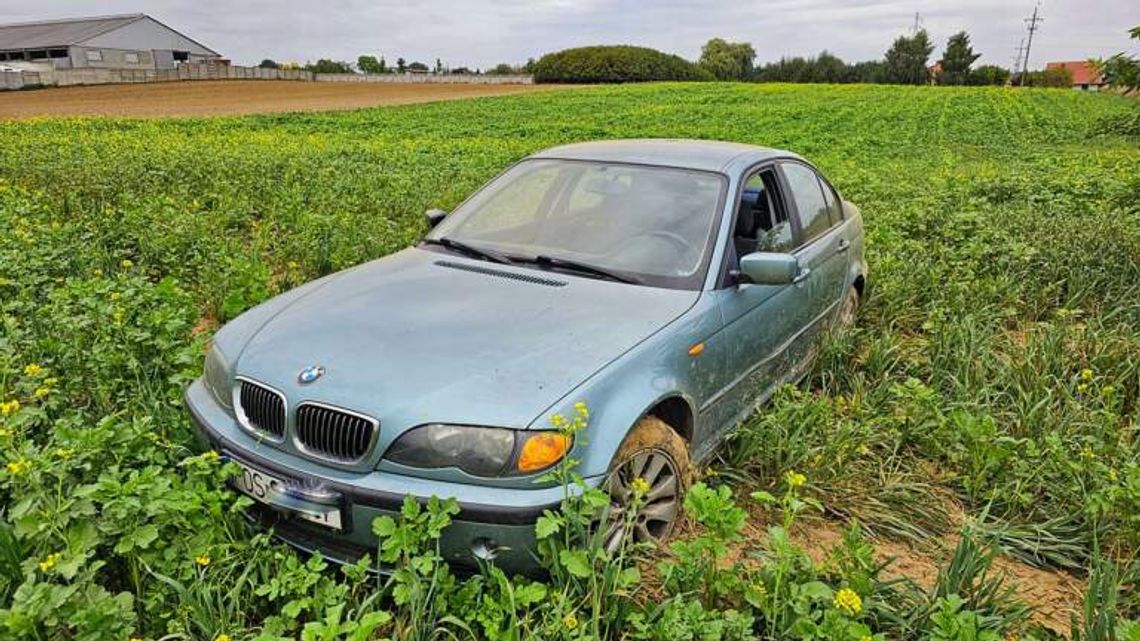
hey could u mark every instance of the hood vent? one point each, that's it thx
(534, 280)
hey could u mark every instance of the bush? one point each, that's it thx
(619, 63)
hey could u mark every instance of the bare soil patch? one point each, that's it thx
(233, 97)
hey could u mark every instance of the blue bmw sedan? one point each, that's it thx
(669, 285)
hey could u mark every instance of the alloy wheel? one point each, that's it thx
(648, 482)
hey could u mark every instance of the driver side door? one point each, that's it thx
(760, 321)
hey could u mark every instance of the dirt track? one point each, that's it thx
(232, 97)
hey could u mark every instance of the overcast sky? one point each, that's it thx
(480, 33)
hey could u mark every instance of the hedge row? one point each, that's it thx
(616, 63)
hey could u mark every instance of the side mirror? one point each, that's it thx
(434, 217)
(767, 268)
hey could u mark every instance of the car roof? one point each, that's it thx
(707, 155)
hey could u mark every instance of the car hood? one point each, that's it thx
(422, 336)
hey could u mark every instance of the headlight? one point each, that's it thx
(479, 451)
(217, 376)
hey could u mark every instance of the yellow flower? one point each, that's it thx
(1107, 390)
(17, 467)
(5, 432)
(558, 420)
(1086, 374)
(65, 453)
(1112, 476)
(202, 560)
(1082, 388)
(33, 369)
(211, 455)
(116, 295)
(51, 381)
(795, 479)
(866, 637)
(98, 273)
(293, 264)
(760, 588)
(222, 637)
(570, 621)
(848, 602)
(42, 392)
(127, 263)
(640, 487)
(49, 562)
(582, 410)
(11, 407)
(135, 639)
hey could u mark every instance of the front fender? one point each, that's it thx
(618, 395)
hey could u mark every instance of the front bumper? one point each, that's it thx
(502, 518)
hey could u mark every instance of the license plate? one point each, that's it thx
(271, 490)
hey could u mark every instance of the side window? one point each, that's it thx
(808, 196)
(761, 220)
(833, 205)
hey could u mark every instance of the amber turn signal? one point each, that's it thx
(697, 350)
(541, 450)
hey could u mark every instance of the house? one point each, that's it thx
(1085, 76)
(129, 41)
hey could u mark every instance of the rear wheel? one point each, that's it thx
(848, 309)
(653, 460)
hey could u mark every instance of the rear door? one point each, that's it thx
(823, 256)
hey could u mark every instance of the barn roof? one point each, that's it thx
(60, 33)
(45, 34)
(1082, 72)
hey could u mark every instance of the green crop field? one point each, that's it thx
(988, 396)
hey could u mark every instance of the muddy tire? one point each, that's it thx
(848, 310)
(654, 452)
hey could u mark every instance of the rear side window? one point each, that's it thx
(809, 199)
(832, 202)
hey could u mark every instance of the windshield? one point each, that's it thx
(650, 224)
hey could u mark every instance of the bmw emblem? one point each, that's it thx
(310, 374)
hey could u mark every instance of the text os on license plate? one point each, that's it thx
(266, 488)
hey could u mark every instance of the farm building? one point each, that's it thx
(131, 41)
(1084, 75)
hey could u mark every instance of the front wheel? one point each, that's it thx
(649, 476)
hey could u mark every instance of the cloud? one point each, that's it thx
(480, 33)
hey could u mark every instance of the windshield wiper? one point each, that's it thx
(573, 265)
(470, 250)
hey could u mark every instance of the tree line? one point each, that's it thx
(906, 62)
(371, 64)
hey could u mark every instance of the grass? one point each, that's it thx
(995, 370)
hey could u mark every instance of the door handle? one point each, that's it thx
(804, 271)
(844, 245)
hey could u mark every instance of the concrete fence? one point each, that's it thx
(88, 76)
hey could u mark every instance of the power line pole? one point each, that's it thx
(1017, 58)
(1032, 22)
(917, 22)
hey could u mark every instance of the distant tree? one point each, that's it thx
(727, 60)
(1056, 77)
(417, 67)
(269, 64)
(907, 58)
(528, 68)
(401, 66)
(869, 71)
(989, 75)
(501, 69)
(369, 64)
(462, 71)
(615, 63)
(826, 67)
(1121, 71)
(830, 68)
(325, 65)
(957, 60)
(438, 66)
(383, 65)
